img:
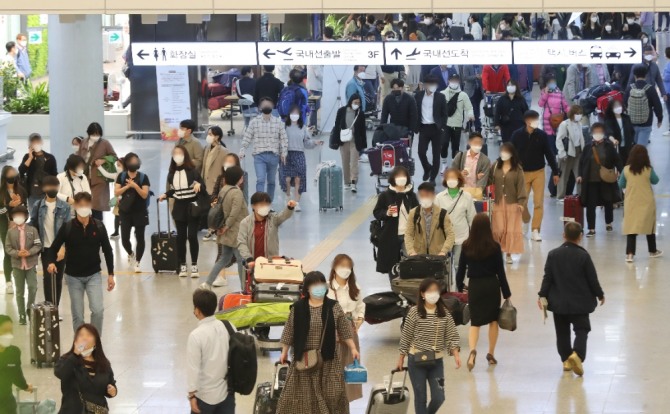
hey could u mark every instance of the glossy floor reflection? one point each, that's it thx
(148, 317)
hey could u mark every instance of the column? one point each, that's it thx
(75, 79)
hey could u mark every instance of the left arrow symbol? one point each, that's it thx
(267, 53)
(141, 54)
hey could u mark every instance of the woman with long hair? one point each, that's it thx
(184, 184)
(315, 323)
(349, 117)
(85, 374)
(639, 210)
(509, 110)
(428, 335)
(343, 288)
(73, 180)
(619, 129)
(510, 201)
(94, 150)
(481, 258)
(12, 195)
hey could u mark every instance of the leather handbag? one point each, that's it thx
(347, 134)
(555, 119)
(507, 316)
(607, 175)
(312, 360)
(427, 358)
(90, 407)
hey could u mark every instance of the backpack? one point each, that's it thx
(541, 26)
(140, 176)
(638, 105)
(288, 97)
(216, 217)
(452, 104)
(242, 362)
(440, 225)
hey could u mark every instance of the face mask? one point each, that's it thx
(608, 28)
(51, 193)
(75, 149)
(210, 139)
(648, 58)
(396, 93)
(534, 124)
(454, 85)
(552, 86)
(83, 211)
(6, 340)
(228, 165)
(452, 183)
(426, 202)
(263, 211)
(432, 88)
(505, 156)
(355, 107)
(37, 148)
(432, 297)
(133, 167)
(390, 39)
(401, 181)
(94, 138)
(181, 133)
(19, 220)
(428, 22)
(79, 172)
(578, 117)
(343, 272)
(630, 21)
(294, 117)
(598, 137)
(23, 43)
(594, 19)
(476, 148)
(519, 18)
(11, 180)
(87, 352)
(178, 159)
(645, 40)
(318, 292)
(503, 27)
(511, 89)
(266, 110)
(618, 110)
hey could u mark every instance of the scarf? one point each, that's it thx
(301, 327)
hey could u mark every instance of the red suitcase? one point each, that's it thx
(217, 102)
(603, 102)
(216, 89)
(573, 210)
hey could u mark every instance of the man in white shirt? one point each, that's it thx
(10, 58)
(207, 359)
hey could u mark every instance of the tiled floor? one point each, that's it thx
(148, 318)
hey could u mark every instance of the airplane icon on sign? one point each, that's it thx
(285, 52)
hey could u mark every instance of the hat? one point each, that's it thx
(454, 76)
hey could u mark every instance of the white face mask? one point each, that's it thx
(355, 107)
(452, 183)
(519, 18)
(618, 110)
(23, 43)
(645, 40)
(83, 211)
(37, 148)
(178, 159)
(511, 89)
(228, 165)
(476, 148)
(343, 272)
(6, 340)
(505, 156)
(19, 220)
(263, 211)
(432, 88)
(432, 297)
(94, 138)
(86, 352)
(210, 139)
(428, 22)
(648, 58)
(75, 149)
(401, 181)
(598, 137)
(294, 117)
(630, 21)
(454, 85)
(534, 124)
(608, 28)
(578, 117)
(594, 19)
(79, 172)
(181, 133)
(426, 202)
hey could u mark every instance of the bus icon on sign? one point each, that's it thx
(596, 52)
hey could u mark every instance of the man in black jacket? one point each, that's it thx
(533, 147)
(399, 108)
(432, 119)
(569, 289)
(36, 164)
(268, 86)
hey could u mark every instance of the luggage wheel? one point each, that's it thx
(231, 132)
(225, 115)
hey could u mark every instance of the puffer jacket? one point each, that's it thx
(552, 103)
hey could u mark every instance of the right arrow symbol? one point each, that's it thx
(141, 54)
(396, 53)
(631, 52)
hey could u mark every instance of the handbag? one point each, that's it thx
(556, 119)
(427, 359)
(355, 373)
(91, 407)
(200, 207)
(347, 134)
(607, 175)
(507, 316)
(312, 360)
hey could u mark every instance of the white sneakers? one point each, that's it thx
(509, 259)
(353, 188)
(137, 268)
(347, 187)
(220, 281)
(363, 158)
(9, 290)
(297, 207)
(535, 236)
(210, 236)
(443, 166)
(182, 271)
(656, 254)
(205, 286)
(666, 133)
(630, 258)
(195, 274)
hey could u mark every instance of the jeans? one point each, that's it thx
(223, 261)
(430, 134)
(456, 256)
(60, 268)
(642, 134)
(24, 278)
(188, 230)
(314, 111)
(266, 164)
(581, 325)
(434, 376)
(226, 406)
(32, 200)
(451, 135)
(631, 241)
(92, 286)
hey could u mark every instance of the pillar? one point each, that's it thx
(75, 79)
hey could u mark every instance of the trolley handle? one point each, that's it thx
(158, 216)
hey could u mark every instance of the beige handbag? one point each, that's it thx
(312, 360)
(607, 175)
(278, 270)
(476, 192)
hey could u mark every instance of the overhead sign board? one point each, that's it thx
(320, 53)
(454, 53)
(35, 36)
(115, 37)
(578, 52)
(194, 53)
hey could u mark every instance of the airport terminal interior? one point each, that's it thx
(148, 316)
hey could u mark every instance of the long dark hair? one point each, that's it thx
(514, 160)
(300, 122)
(311, 278)
(426, 284)
(4, 192)
(609, 112)
(480, 244)
(188, 163)
(100, 361)
(237, 162)
(354, 291)
(517, 93)
(638, 159)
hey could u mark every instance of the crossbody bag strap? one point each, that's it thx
(437, 333)
(595, 156)
(456, 203)
(323, 332)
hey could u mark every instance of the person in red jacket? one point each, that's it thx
(495, 78)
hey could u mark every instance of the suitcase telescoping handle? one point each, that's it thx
(158, 216)
(53, 287)
(275, 378)
(404, 380)
(18, 395)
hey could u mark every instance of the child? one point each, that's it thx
(23, 245)
(10, 367)
(294, 170)
(114, 202)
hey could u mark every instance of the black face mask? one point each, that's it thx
(51, 193)
(396, 93)
(11, 180)
(266, 110)
(133, 167)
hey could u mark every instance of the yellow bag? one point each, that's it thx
(476, 192)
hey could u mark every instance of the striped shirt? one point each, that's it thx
(181, 187)
(429, 333)
(268, 135)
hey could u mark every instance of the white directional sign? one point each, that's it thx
(198, 53)
(320, 53)
(578, 51)
(455, 53)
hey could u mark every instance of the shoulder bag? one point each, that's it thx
(427, 359)
(91, 407)
(507, 316)
(607, 175)
(555, 119)
(347, 134)
(312, 360)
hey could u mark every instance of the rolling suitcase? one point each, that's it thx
(278, 270)
(164, 256)
(409, 288)
(422, 266)
(267, 393)
(384, 307)
(276, 292)
(389, 399)
(216, 89)
(573, 210)
(217, 102)
(45, 331)
(330, 188)
(232, 300)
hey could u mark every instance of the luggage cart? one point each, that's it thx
(488, 122)
(381, 169)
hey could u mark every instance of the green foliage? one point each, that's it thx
(32, 99)
(337, 23)
(38, 54)
(287, 37)
(10, 83)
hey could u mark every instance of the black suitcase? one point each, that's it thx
(164, 256)
(45, 331)
(384, 307)
(422, 266)
(267, 393)
(276, 292)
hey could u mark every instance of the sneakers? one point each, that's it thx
(347, 187)
(363, 158)
(609, 227)
(567, 367)
(576, 364)
(131, 259)
(137, 268)
(205, 286)
(560, 201)
(182, 271)
(297, 207)
(209, 236)
(220, 281)
(353, 188)
(509, 259)
(590, 233)
(9, 290)
(194, 272)
(114, 236)
(22, 320)
(535, 236)
(656, 254)
(630, 258)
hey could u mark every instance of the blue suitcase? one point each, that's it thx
(331, 188)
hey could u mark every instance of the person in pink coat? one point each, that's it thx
(552, 101)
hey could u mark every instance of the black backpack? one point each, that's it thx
(452, 104)
(242, 363)
(216, 218)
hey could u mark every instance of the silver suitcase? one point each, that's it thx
(389, 399)
(276, 292)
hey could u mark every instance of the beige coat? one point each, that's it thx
(212, 164)
(234, 211)
(415, 238)
(639, 210)
(99, 186)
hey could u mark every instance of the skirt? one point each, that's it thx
(508, 227)
(484, 300)
(295, 166)
(354, 391)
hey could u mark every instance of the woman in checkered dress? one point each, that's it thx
(321, 391)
